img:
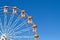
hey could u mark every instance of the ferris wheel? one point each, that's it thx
(16, 24)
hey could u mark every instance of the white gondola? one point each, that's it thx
(23, 13)
(5, 9)
(34, 30)
(14, 10)
(30, 20)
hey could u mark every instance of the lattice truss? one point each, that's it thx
(16, 24)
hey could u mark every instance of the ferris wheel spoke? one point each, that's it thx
(23, 23)
(22, 31)
(0, 32)
(1, 10)
(15, 22)
(19, 9)
(10, 38)
(5, 21)
(12, 31)
(1, 26)
(27, 15)
(19, 26)
(10, 21)
(21, 37)
(1, 7)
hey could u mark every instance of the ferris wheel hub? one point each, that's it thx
(4, 37)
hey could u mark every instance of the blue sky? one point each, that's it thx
(46, 14)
